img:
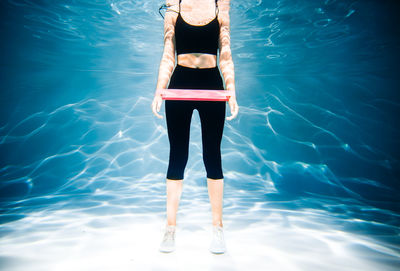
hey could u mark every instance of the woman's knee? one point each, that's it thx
(215, 176)
(174, 180)
(176, 171)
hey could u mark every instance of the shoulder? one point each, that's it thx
(223, 11)
(223, 5)
(172, 2)
(172, 12)
(173, 5)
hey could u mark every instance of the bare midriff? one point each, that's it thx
(197, 60)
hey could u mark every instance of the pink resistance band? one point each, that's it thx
(195, 94)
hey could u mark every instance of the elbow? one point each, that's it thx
(226, 64)
(225, 59)
(225, 52)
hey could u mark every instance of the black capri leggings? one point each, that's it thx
(179, 115)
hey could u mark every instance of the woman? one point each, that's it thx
(195, 29)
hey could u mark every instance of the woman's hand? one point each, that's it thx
(234, 108)
(156, 105)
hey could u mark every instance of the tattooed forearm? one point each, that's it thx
(168, 58)
(225, 54)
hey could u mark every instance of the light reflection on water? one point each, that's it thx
(311, 162)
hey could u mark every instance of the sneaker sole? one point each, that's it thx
(217, 251)
(166, 250)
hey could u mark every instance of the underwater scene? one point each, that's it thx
(311, 162)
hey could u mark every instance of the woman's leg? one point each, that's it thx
(178, 117)
(174, 191)
(212, 117)
(216, 192)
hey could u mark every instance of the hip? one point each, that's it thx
(196, 78)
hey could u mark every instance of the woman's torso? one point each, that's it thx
(197, 40)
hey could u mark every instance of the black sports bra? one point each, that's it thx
(196, 38)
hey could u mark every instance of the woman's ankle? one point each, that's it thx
(218, 224)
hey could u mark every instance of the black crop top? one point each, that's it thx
(196, 39)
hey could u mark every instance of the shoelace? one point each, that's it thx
(169, 234)
(218, 233)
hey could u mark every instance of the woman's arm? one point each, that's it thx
(168, 58)
(225, 55)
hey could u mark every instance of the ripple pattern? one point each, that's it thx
(311, 163)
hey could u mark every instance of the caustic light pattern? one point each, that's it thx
(311, 163)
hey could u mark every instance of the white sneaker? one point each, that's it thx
(218, 241)
(168, 242)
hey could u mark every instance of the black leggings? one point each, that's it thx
(179, 115)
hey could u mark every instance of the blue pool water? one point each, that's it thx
(311, 163)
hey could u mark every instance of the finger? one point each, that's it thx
(234, 111)
(154, 107)
(157, 115)
(234, 114)
(231, 109)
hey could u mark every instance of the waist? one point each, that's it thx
(197, 60)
